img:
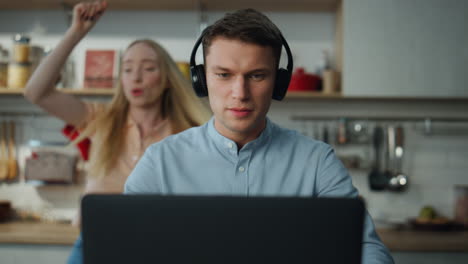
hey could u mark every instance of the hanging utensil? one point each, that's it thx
(325, 135)
(3, 153)
(389, 153)
(399, 181)
(377, 181)
(12, 161)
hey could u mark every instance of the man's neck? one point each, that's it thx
(241, 139)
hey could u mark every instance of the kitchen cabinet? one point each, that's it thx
(38, 254)
(416, 48)
(36, 242)
(210, 5)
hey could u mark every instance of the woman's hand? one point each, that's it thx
(85, 16)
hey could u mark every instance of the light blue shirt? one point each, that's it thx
(280, 162)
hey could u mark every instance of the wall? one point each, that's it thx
(411, 48)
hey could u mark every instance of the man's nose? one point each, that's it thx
(240, 89)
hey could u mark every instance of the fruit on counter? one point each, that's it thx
(427, 213)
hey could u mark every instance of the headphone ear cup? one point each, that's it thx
(283, 77)
(199, 80)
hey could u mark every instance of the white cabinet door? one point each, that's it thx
(37, 254)
(405, 48)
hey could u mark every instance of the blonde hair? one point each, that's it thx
(179, 105)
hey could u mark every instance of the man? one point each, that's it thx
(240, 151)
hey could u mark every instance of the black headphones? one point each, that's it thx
(283, 76)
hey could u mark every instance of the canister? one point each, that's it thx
(331, 81)
(18, 74)
(21, 48)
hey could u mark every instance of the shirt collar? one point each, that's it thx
(224, 142)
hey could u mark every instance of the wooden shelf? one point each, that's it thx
(107, 91)
(290, 95)
(209, 5)
(305, 95)
(93, 91)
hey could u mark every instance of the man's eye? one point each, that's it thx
(222, 75)
(257, 77)
(127, 70)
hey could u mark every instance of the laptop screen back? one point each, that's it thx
(213, 229)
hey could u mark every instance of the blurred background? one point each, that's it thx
(385, 82)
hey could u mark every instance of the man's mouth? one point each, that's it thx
(240, 112)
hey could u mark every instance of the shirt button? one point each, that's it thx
(241, 169)
(230, 145)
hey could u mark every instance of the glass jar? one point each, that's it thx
(18, 74)
(21, 48)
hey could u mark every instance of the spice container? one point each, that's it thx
(21, 48)
(18, 74)
(331, 81)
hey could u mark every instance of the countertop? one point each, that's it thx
(37, 233)
(433, 241)
(395, 240)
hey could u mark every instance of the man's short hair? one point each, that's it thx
(247, 25)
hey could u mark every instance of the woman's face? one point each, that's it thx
(141, 76)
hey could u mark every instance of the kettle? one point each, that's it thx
(302, 81)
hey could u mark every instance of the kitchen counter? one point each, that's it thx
(395, 240)
(433, 241)
(37, 233)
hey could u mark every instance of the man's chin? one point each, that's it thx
(243, 126)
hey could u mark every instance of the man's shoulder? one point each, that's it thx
(293, 137)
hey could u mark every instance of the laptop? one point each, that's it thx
(220, 230)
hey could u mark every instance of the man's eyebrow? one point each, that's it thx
(259, 70)
(219, 68)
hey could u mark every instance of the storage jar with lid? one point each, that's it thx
(18, 74)
(21, 48)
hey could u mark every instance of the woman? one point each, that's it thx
(152, 101)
